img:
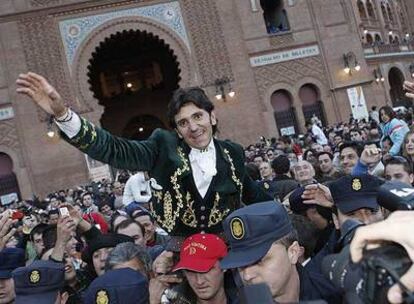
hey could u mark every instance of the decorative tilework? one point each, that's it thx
(74, 31)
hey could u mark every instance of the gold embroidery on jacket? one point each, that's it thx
(170, 215)
(84, 132)
(168, 222)
(233, 173)
(216, 216)
(189, 217)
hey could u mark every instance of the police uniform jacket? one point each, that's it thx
(177, 207)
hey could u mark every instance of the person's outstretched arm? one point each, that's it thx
(97, 143)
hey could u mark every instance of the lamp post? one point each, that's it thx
(378, 76)
(221, 84)
(350, 63)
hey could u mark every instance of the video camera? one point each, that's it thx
(368, 281)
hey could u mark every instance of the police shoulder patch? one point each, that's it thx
(34, 276)
(102, 297)
(237, 228)
(356, 184)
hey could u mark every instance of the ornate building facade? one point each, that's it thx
(116, 62)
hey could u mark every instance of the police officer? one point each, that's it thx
(10, 259)
(263, 243)
(40, 282)
(124, 285)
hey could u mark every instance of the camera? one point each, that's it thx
(369, 280)
(396, 195)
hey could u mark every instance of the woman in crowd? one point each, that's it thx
(392, 127)
(408, 147)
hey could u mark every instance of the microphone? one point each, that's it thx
(396, 195)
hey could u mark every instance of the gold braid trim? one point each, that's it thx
(216, 216)
(168, 222)
(170, 215)
(189, 217)
(233, 172)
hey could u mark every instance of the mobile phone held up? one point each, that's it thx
(64, 212)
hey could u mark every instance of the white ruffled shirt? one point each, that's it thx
(203, 162)
(203, 165)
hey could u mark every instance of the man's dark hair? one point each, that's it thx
(323, 153)
(126, 223)
(38, 229)
(85, 194)
(49, 237)
(105, 202)
(53, 211)
(353, 145)
(184, 96)
(307, 233)
(258, 155)
(373, 108)
(286, 139)
(252, 171)
(281, 165)
(399, 160)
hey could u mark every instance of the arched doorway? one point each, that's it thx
(396, 80)
(284, 112)
(132, 74)
(369, 39)
(9, 188)
(311, 102)
(141, 127)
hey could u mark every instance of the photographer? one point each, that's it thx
(396, 228)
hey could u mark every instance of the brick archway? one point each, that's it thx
(89, 45)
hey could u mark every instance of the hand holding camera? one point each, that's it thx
(398, 228)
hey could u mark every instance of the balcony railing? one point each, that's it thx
(385, 49)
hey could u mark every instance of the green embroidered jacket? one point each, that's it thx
(178, 207)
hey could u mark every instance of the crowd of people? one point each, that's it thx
(193, 219)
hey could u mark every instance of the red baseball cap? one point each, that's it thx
(200, 252)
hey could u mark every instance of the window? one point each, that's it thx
(378, 38)
(384, 12)
(275, 16)
(390, 16)
(369, 39)
(370, 9)
(361, 9)
(396, 40)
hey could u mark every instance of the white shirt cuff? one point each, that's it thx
(72, 127)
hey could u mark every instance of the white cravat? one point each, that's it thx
(203, 164)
